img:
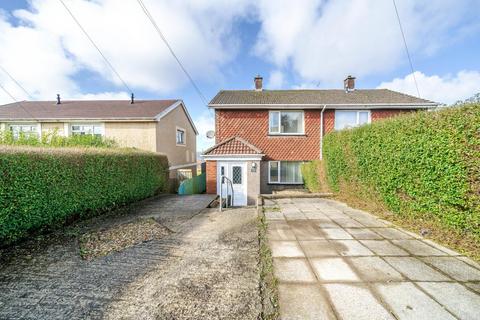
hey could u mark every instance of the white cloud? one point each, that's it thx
(447, 89)
(46, 50)
(326, 40)
(205, 122)
(276, 80)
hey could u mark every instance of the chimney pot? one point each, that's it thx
(258, 83)
(349, 84)
(58, 99)
(132, 101)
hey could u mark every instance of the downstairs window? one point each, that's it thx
(285, 172)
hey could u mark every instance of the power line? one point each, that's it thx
(8, 93)
(16, 82)
(96, 47)
(16, 101)
(406, 48)
(152, 20)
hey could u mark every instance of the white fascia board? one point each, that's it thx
(233, 157)
(162, 114)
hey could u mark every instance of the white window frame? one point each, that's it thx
(279, 174)
(358, 117)
(279, 133)
(184, 137)
(31, 124)
(94, 124)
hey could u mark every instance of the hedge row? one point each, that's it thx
(311, 176)
(46, 187)
(53, 139)
(427, 164)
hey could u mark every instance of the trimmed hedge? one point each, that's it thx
(46, 187)
(423, 164)
(311, 177)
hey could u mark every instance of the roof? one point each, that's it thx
(85, 109)
(318, 98)
(233, 146)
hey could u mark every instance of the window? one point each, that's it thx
(286, 122)
(345, 119)
(95, 129)
(287, 172)
(236, 175)
(180, 136)
(27, 130)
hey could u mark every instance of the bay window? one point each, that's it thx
(345, 119)
(286, 122)
(285, 172)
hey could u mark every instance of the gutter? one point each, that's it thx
(321, 132)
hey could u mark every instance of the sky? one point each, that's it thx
(224, 44)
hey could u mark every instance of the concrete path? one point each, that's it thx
(207, 268)
(335, 262)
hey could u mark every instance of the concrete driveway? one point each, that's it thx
(206, 268)
(335, 262)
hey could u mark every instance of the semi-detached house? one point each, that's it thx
(263, 136)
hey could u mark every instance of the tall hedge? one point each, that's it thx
(45, 187)
(427, 163)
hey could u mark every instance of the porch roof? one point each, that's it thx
(233, 146)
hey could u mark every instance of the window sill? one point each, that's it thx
(287, 135)
(285, 183)
(181, 145)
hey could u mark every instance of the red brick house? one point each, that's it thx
(262, 136)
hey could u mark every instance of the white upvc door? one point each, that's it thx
(237, 173)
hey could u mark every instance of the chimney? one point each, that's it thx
(258, 83)
(58, 99)
(132, 101)
(349, 84)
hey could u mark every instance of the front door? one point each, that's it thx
(237, 173)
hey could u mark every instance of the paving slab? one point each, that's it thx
(356, 302)
(348, 223)
(384, 248)
(288, 249)
(461, 302)
(455, 268)
(392, 234)
(351, 248)
(274, 215)
(293, 270)
(325, 223)
(475, 286)
(294, 215)
(418, 248)
(280, 233)
(318, 248)
(336, 233)
(410, 303)
(415, 270)
(333, 269)
(314, 215)
(303, 302)
(305, 230)
(364, 234)
(372, 269)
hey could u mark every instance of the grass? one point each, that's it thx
(268, 282)
(357, 197)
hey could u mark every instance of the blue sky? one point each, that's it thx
(224, 44)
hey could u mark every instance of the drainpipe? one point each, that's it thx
(321, 132)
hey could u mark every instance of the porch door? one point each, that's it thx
(237, 173)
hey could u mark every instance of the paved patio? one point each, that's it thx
(336, 262)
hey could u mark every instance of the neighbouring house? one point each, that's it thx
(162, 126)
(263, 136)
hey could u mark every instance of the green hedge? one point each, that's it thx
(427, 164)
(311, 177)
(46, 187)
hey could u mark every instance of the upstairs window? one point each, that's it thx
(180, 136)
(345, 119)
(94, 129)
(286, 122)
(27, 130)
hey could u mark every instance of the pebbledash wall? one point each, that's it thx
(252, 125)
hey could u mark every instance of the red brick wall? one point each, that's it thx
(211, 176)
(252, 125)
(328, 121)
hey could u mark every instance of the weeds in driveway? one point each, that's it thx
(268, 283)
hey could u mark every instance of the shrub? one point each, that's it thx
(424, 164)
(46, 187)
(53, 139)
(314, 176)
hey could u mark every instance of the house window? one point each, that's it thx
(180, 136)
(286, 122)
(28, 130)
(95, 129)
(345, 119)
(285, 172)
